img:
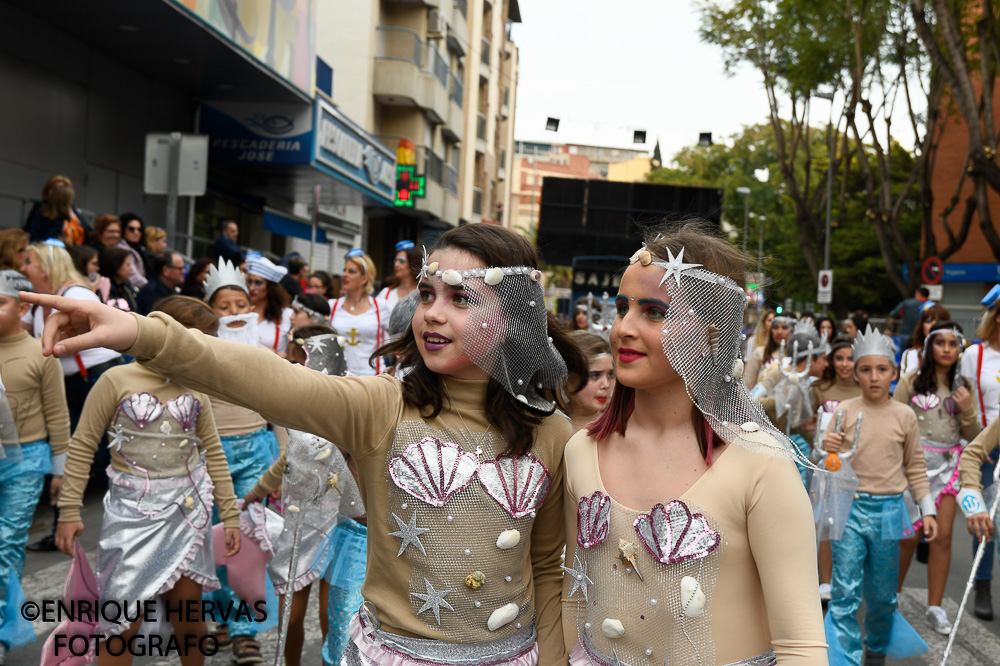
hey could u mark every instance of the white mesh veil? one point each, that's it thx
(701, 338)
(506, 334)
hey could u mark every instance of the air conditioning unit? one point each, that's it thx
(437, 24)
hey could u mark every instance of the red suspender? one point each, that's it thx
(334, 310)
(277, 333)
(979, 383)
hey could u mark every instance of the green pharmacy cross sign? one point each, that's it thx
(408, 185)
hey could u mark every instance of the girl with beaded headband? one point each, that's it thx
(460, 464)
(763, 356)
(683, 508)
(942, 400)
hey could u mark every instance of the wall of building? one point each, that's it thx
(632, 171)
(345, 36)
(78, 113)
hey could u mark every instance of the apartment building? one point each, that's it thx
(430, 76)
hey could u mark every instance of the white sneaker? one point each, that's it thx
(938, 619)
(824, 592)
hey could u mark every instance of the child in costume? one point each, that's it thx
(269, 300)
(785, 393)
(315, 477)
(249, 446)
(167, 470)
(460, 465)
(684, 513)
(836, 384)
(946, 416)
(34, 432)
(866, 556)
(765, 355)
(308, 310)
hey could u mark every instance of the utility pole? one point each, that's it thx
(745, 191)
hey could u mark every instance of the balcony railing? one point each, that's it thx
(434, 166)
(477, 201)
(404, 44)
(451, 179)
(481, 127)
(457, 90)
(486, 51)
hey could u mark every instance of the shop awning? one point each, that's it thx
(287, 225)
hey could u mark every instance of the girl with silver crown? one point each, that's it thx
(684, 513)
(460, 464)
(249, 445)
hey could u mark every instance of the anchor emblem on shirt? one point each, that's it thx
(353, 338)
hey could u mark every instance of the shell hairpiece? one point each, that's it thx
(491, 276)
(954, 331)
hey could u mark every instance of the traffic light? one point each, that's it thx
(778, 309)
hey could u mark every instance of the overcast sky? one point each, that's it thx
(607, 68)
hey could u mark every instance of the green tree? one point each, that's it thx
(855, 254)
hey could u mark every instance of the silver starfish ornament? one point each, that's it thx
(117, 437)
(433, 600)
(409, 533)
(674, 266)
(580, 579)
(315, 345)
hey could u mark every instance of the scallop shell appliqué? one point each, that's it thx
(593, 520)
(433, 471)
(143, 408)
(185, 408)
(672, 534)
(830, 406)
(519, 485)
(926, 401)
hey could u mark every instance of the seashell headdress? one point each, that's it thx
(701, 337)
(506, 333)
(226, 275)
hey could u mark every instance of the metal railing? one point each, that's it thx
(451, 179)
(481, 126)
(457, 90)
(395, 43)
(486, 51)
(433, 166)
(477, 201)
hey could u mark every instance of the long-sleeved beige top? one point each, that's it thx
(162, 446)
(764, 595)
(937, 424)
(839, 390)
(755, 364)
(974, 455)
(36, 392)
(369, 419)
(889, 442)
(232, 420)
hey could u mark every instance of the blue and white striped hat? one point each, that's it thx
(263, 267)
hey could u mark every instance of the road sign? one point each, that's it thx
(192, 166)
(932, 270)
(824, 292)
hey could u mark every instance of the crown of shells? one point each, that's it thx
(491, 276)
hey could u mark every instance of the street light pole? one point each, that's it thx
(760, 244)
(829, 184)
(745, 191)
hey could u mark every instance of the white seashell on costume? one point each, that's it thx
(452, 277)
(502, 616)
(613, 628)
(519, 485)
(508, 539)
(432, 267)
(433, 471)
(493, 276)
(143, 408)
(737, 370)
(185, 408)
(536, 275)
(692, 597)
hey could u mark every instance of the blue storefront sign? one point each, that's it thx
(242, 133)
(966, 273)
(351, 154)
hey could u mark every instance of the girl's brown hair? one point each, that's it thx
(189, 312)
(829, 375)
(57, 198)
(926, 380)
(701, 245)
(12, 241)
(516, 423)
(592, 346)
(935, 312)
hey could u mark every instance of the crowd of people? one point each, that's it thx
(533, 492)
